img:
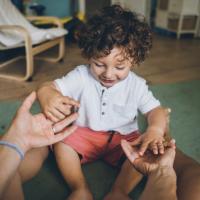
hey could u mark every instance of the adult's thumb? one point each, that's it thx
(28, 102)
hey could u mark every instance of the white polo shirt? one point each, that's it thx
(103, 109)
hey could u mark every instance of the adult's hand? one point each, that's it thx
(149, 162)
(30, 131)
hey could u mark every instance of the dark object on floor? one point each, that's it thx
(38, 9)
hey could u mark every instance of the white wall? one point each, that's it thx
(140, 6)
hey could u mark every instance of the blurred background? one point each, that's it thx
(175, 56)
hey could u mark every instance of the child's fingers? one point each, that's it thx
(58, 114)
(51, 116)
(160, 147)
(65, 109)
(143, 147)
(70, 101)
(154, 147)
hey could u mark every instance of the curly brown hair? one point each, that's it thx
(113, 27)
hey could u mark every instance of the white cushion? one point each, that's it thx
(10, 15)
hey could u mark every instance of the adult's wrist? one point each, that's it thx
(163, 171)
(14, 147)
(161, 184)
(15, 139)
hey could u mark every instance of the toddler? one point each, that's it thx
(109, 97)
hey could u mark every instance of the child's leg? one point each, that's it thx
(28, 168)
(188, 177)
(69, 164)
(127, 179)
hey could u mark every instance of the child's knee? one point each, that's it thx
(65, 153)
(61, 149)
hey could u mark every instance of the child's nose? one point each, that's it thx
(108, 73)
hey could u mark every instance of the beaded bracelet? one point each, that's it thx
(13, 146)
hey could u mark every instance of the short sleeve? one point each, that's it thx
(70, 84)
(146, 100)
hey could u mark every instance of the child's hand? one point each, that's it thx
(150, 140)
(54, 105)
(58, 107)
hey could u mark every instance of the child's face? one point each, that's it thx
(110, 69)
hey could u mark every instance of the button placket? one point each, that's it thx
(103, 102)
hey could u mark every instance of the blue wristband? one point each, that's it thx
(13, 146)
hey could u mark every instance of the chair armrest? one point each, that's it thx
(17, 28)
(13, 28)
(46, 19)
(23, 32)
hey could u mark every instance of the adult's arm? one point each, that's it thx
(161, 185)
(29, 131)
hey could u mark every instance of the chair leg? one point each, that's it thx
(61, 49)
(28, 68)
(30, 79)
(61, 60)
(61, 52)
(4, 74)
(29, 62)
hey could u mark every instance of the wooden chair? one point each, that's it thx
(14, 25)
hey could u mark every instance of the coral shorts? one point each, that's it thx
(92, 145)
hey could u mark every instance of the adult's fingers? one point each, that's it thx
(62, 135)
(170, 150)
(129, 151)
(172, 144)
(28, 102)
(59, 126)
(136, 142)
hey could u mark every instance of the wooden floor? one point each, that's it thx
(170, 61)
